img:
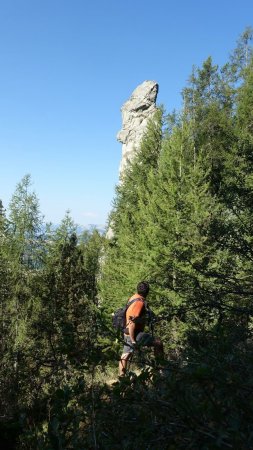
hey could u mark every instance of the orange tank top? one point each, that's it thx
(137, 310)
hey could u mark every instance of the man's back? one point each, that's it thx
(136, 311)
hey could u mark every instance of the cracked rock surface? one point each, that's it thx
(136, 113)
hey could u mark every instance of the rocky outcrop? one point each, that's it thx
(136, 113)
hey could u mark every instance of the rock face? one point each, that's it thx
(136, 113)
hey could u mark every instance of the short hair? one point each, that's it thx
(143, 288)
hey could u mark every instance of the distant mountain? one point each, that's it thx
(100, 228)
(81, 228)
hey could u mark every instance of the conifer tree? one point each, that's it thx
(209, 108)
(241, 57)
(65, 308)
(26, 221)
(6, 289)
(66, 299)
(91, 243)
(124, 256)
(24, 246)
(237, 197)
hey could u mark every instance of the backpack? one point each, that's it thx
(119, 316)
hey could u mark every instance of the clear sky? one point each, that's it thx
(67, 66)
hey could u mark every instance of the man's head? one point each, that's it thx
(143, 288)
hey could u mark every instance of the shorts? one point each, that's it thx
(143, 339)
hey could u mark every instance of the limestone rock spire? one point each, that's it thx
(136, 113)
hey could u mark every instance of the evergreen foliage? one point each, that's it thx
(182, 220)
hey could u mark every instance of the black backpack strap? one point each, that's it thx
(134, 300)
(131, 302)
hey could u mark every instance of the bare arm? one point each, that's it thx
(131, 329)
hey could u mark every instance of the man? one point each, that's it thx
(134, 332)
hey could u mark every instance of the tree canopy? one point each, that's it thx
(182, 220)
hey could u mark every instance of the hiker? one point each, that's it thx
(134, 332)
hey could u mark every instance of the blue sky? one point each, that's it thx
(67, 66)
